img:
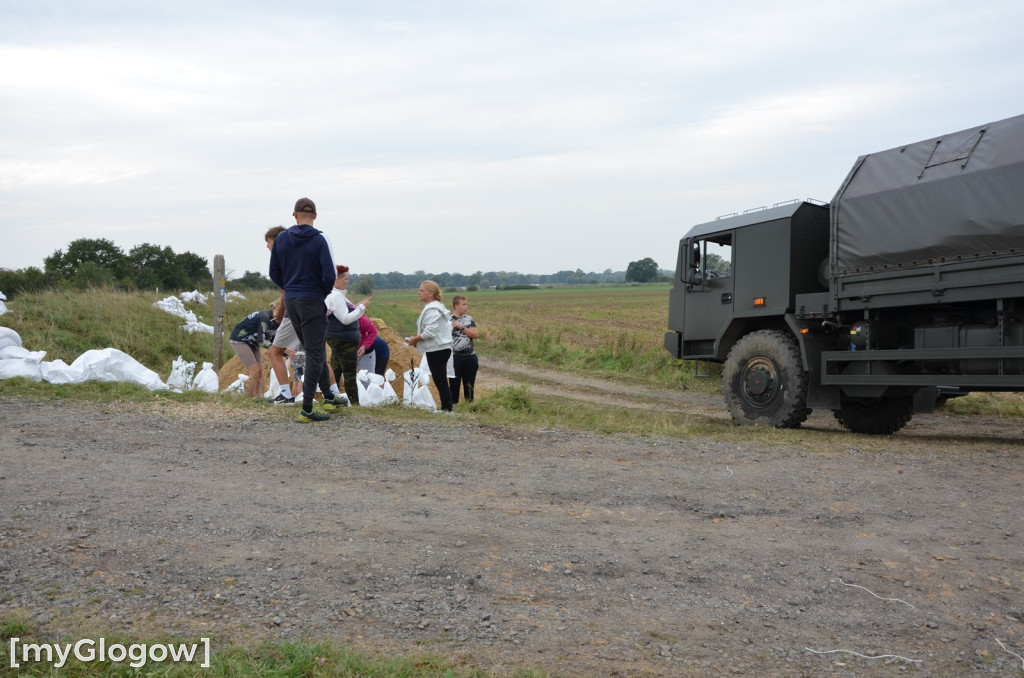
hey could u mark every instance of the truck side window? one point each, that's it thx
(717, 259)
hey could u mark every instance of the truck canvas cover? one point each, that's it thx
(953, 198)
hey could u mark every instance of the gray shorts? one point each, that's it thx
(286, 337)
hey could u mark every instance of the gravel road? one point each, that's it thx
(577, 554)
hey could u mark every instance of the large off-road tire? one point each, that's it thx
(764, 382)
(875, 416)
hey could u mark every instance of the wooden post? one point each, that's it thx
(219, 302)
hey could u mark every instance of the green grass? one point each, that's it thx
(609, 331)
(65, 324)
(284, 659)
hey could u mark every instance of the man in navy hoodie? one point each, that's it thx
(301, 263)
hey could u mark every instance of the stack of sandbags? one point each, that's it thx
(402, 359)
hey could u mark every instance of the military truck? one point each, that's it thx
(908, 284)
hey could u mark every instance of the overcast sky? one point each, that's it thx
(518, 135)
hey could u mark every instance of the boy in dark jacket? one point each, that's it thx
(301, 263)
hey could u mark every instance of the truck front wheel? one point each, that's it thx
(763, 380)
(875, 416)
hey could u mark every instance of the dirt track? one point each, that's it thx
(578, 554)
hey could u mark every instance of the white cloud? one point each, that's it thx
(541, 136)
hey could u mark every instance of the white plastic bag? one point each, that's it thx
(11, 352)
(371, 388)
(206, 380)
(182, 372)
(390, 396)
(238, 385)
(20, 368)
(274, 387)
(9, 337)
(59, 372)
(362, 387)
(416, 390)
(110, 364)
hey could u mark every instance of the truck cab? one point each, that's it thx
(737, 273)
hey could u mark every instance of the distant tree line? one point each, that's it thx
(98, 262)
(498, 280)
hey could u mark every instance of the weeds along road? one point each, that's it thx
(573, 553)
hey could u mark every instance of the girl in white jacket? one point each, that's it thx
(434, 338)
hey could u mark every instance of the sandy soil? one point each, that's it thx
(577, 554)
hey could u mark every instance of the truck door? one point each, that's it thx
(709, 292)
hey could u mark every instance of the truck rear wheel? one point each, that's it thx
(875, 416)
(763, 380)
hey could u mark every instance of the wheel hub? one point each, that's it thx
(761, 383)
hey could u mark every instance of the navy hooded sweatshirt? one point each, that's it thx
(301, 263)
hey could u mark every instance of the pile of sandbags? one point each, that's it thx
(107, 364)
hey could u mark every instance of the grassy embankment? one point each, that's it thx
(609, 332)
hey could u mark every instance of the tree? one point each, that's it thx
(90, 274)
(363, 285)
(195, 267)
(99, 251)
(29, 279)
(645, 270)
(578, 277)
(254, 281)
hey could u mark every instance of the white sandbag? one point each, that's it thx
(423, 398)
(194, 296)
(59, 372)
(11, 352)
(416, 391)
(194, 326)
(389, 396)
(110, 364)
(362, 387)
(3, 308)
(374, 390)
(182, 373)
(17, 367)
(274, 387)
(238, 385)
(206, 380)
(9, 337)
(174, 306)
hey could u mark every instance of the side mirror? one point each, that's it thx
(694, 277)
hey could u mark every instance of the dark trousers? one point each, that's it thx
(438, 363)
(466, 366)
(309, 318)
(343, 362)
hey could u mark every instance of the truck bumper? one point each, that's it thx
(674, 343)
